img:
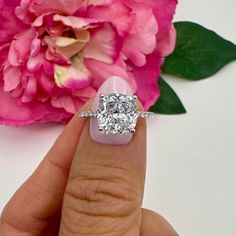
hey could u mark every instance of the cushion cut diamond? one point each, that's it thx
(117, 113)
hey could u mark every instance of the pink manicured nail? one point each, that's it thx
(114, 84)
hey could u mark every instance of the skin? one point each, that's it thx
(85, 188)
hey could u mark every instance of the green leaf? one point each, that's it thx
(168, 103)
(199, 52)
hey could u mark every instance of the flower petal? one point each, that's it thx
(99, 2)
(76, 22)
(30, 89)
(64, 6)
(85, 94)
(146, 78)
(164, 11)
(4, 50)
(105, 44)
(72, 77)
(22, 12)
(17, 114)
(117, 13)
(18, 55)
(10, 3)
(55, 57)
(66, 46)
(46, 82)
(67, 102)
(35, 47)
(45, 22)
(10, 24)
(11, 76)
(101, 71)
(34, 63)
(166, 44)
(39, 21)
(142, 39)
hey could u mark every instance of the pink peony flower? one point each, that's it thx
(54, 55)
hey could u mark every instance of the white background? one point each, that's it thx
(191, 176)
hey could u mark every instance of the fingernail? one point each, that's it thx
(114, 84)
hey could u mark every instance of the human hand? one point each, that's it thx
(83, 187)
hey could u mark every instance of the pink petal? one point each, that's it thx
(55, 57)
(142, 39)
(4, 50)
(34, 63)
(38, 22)
(104, 46)
(72, 77)
(10, 3)
(19, 54)
(117, 13)
(164, 11)
(68, 47)
(22, 12)
(146, 78)
(100, 2)
(64, 6)
(48, 68)
(30, 90)
(38, 62)
(45, 22)
(67, 103)
(17, 92)
(11, 113)
(17, 114)
(12, 77)
(166, 44)
(101, 71)
(46, 82)
(75, 22)
(85, 94)
(45, 18)
(35, 46)
(10, 24)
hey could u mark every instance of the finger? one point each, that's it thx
(105, 186)
(155, 225)
(39, 199)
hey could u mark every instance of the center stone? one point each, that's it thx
(117, 113)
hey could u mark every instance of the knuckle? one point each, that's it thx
(106, 191)
(102, 194)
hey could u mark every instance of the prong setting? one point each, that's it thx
(102, 96)
(132, 131)
(117, 113)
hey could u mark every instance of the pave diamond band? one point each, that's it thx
(90, 114)
(117, 113)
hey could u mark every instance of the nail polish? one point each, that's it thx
(114, 84)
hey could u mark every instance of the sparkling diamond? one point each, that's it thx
(117, 113)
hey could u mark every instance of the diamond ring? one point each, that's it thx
(117, 113)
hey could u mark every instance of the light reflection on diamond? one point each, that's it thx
(117, 113)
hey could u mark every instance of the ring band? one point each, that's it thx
(117, 113)
(91, 114)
